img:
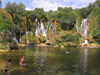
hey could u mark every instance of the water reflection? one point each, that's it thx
(53, 61)
(27, 53)
(85, 61)
(40, 57)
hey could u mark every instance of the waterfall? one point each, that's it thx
(47, 28)
(42, 29)
(37, 30)
(84, 29)
(20, 40)
(54, 28)
(50, 26)
(15, 38)
(77, 25)
(26, 35)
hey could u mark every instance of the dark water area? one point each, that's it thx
(53, 61)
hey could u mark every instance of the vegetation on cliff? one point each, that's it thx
(15, 21)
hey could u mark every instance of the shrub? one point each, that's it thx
(68, 37)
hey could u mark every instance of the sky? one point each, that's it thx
(50, 4)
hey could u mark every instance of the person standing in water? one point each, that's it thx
(21, 63)
(8, 66)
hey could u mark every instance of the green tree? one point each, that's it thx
(6, 31)
(60, 9)
(83, 12)
(14, 8)
(66, 19)
(96, 34)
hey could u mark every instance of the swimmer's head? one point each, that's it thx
(23, 57)
(9, 60)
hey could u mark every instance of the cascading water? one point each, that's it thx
(26, 35)
(50, 26)
(15, 38)
(84, 29)
(37, 30)
(77, 25)
(54, 29)
(47, 28)
(42, 29)
(20, 39)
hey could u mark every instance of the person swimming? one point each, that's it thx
(21, 63)
(8, 67)
(67, 52)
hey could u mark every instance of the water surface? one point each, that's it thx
(53, 61)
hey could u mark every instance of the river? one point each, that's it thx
(53, 61)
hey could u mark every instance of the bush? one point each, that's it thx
(68, 37)
(76, 38)
(96, 34)
(42, 39)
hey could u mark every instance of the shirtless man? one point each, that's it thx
(8, 67)
(22, 61)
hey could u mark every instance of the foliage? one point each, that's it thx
(66, 19)
(76, 38)
(68, 37)
(96, 34)
(6, 36)
(42, 39)
(14, 8)
(84, 12)
(5, 26)
(5, 15)
(2, 46)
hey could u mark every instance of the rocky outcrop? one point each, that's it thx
(92, 45)
(48, 42)
(56, 46)
(62, 46)
(42, 44)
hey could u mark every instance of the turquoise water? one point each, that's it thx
(53, 61)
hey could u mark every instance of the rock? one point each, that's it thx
(56, 46)
(62, 46)
(42, 44)
(48, 42)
